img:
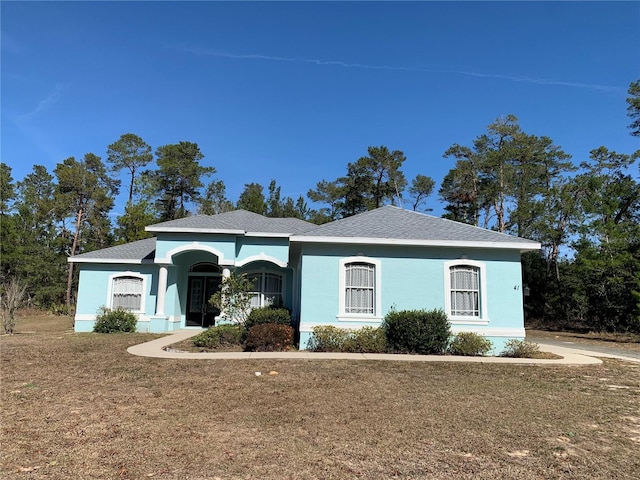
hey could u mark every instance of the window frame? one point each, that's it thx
(128, 274)
(345, 316)
(482, 318)
(263, 293)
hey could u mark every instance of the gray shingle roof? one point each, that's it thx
(404, 226)
(236, 221)
(134, 252)
(389, 225)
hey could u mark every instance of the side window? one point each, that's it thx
(360, 289)
(465, 292)
(126, 292)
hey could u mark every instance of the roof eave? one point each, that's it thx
(156, 229)
(128, 261)
(515, 245)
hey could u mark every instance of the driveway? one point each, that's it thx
(588, 348)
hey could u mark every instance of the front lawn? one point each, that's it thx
(78, 406)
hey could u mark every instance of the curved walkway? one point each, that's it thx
(571, 356)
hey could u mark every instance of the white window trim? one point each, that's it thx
(360, 317)
(143, 296)
(483, 319)
(262, 273)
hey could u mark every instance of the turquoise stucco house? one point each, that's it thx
(348, 273)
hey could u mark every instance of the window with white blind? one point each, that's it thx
(465, 291)
(267, 289)
(359, 288)
(126, 292)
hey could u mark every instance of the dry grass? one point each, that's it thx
(77, 406)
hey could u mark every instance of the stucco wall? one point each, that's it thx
(95, 287)
(412, 278)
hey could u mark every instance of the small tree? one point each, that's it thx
(234, 298)
(11, 298)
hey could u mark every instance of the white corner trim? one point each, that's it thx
(261, 257)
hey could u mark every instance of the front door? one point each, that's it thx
(199, 312)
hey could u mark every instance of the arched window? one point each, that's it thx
(465, 291)
(267, 289)
(126, 292)
(359, 289)
(205, 267)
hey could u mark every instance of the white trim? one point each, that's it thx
(504, 332)
(342, 315)
(153, 228)
(193, 246)
(129, 261)
(261, 257)
(483, 319)
(143, 293)
(267, 234)
(522, 246)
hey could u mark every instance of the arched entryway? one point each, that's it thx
(203, 281)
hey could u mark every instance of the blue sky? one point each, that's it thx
(296, 90)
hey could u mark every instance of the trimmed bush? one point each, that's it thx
(424, 332)
(265, 315)
(470, 344)
(218, 336)
(327, 338)
(269, 337)
(366, 340)
(118, 320)
(520, 349)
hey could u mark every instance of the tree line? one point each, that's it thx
(585, 214)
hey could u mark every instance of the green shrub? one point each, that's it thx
(417, 331)
(218, 336)
(470, 344)
(118, 320)
(265, 315)
(269, 337)
(366, 340)
(327, 338)
(520, 349)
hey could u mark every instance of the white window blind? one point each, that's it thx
(360, 288)
(127, 293)
(465, 291)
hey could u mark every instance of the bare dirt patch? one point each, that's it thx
(78, 406)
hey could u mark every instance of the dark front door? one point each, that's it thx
(199, 312)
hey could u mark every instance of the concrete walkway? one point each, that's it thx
(571, 356)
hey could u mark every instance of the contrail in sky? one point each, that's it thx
(512, 78)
